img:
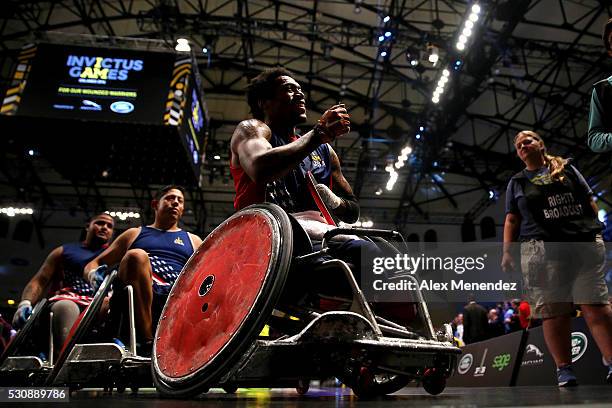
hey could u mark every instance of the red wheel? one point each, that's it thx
(221, 300)
(434, 382)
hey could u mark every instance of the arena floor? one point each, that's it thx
(588, 396)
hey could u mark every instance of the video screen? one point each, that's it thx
(97, 84)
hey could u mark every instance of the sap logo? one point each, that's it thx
(122, 107)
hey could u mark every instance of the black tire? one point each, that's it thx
(434, 382)
(303, 387)
(367, 384)
(230, 388)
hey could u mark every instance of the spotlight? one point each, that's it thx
(476, 9)
(182, 45)
(383, 54)
(414, 63)
(421, 128)
(418, 137)
(217, 157)
(205, 50)
(388, 34)
(381, 38)
(474, 17)
(386, 19)
(378, 191)
(460, 46)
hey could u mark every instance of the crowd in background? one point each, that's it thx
(478, 323)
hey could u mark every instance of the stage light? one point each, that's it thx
(460, 46)
(474, 17)
(182, 45)
(406, 150)
(414, 63)
(469, 24)
(205, 50)
(217, 157)
(13, 211)
(476, 9)
(383, 54)
(421, 128)
(11, 302)
(31, 152)
(386, 19)
(467, 32)
(446, 73)
(388, 34)
(381, 38)
(462, 38)
(378, 191)
(418, 137)
(602, 215)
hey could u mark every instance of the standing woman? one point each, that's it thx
(550, 202)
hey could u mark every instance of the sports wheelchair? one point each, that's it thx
(259, 267)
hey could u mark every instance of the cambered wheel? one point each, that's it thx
(434, 381)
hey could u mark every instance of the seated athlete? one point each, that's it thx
(150, 259)
(269, 161)
(63, 269)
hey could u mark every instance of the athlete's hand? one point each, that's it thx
(335, 122)
(331, 200)
(507, 263)
(96, 276)
(24, 311)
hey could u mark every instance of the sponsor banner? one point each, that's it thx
(538, 366)
(489, 363)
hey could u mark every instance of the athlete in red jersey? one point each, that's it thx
(269, 162)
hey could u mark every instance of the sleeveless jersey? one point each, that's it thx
(74, 258)
(168, 252)
(289, 192)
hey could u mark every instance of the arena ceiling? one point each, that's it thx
(528, 65)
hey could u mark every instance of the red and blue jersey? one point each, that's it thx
(168, 252)
(291, 191)
(73, 287)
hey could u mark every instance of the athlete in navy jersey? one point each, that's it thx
(150, 259)
(168, 252)
(63, 269)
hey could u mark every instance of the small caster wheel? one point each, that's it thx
(230, 388)
(434, 381)
(303, 387)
